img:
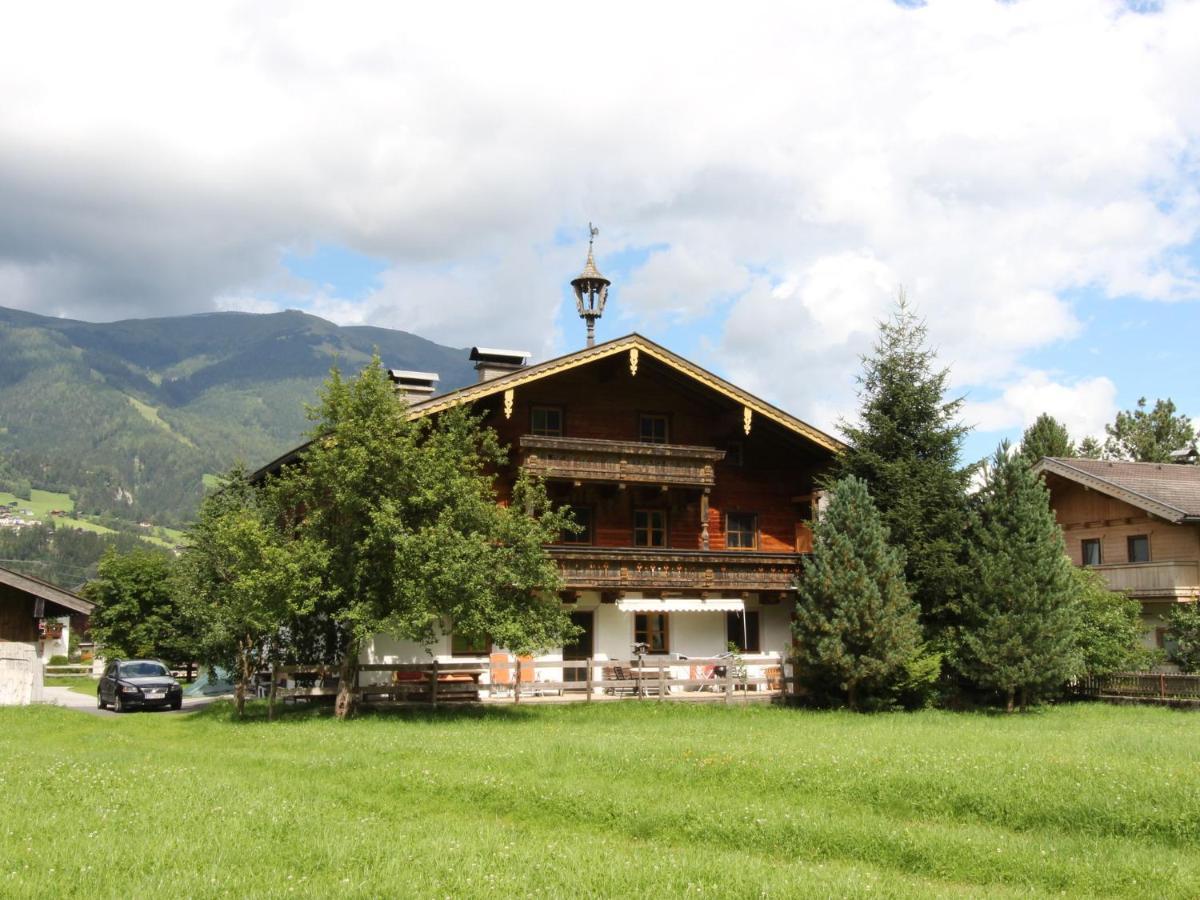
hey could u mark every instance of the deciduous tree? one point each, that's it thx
(1110, 628)
(1020, 624)
(412, 530)
(1183, 628)
(856, 625)
(906, 448)
(245, 578)
(137, 613)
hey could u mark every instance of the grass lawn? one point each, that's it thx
(631, 799)
(80, 685)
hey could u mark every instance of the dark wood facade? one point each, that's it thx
(682, 485)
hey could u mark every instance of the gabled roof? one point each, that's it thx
(1169, 491)
(48, 592)
(645, 348)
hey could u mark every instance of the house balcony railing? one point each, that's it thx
(640, 569)
(619, 462)
(1169, 579)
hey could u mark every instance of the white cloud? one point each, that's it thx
(799, 163)
(1085, 406)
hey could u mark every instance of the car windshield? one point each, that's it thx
(143, 669)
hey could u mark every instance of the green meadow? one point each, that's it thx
(628, 800)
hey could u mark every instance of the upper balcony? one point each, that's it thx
(1169, 580)
(664, 569)
(619, 462)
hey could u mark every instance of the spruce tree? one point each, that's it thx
(856, 624)
(1046, 437)
(906, 447)
(1020, 619)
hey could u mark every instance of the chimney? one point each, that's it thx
(492, 363)
(415, 386)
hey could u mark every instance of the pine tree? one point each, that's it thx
(1046, 437)
(1143, 436)
(1020, 620)
(1090, 448)
(906, 448)
(856, 624)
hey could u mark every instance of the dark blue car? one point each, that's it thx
(138, 683)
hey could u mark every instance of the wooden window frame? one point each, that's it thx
(646, 633)
(657, 417)
(543, 408)
(588, 536)
(650, 529)
(753, 633)
(1129, 548)
(753, 531)
(468, 650)
(1083, 554)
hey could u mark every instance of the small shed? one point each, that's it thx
(38, 613)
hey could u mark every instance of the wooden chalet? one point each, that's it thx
(1137, 524)
(695, 496)
(35, 612)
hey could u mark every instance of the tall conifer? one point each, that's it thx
(856, 625)
(906, 447)
(1020, 619)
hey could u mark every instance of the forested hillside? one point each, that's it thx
(128, 417)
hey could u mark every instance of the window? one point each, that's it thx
(546, 421)
(651, 629)
(583, 518)
(1139, 548)
(649, 528)
(741, 630)
(741, 531)
(463, 645)
(1091, 551)
(652, 429)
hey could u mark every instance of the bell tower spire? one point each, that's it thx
(591, 290)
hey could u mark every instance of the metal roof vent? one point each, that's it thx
(415, 386)
(492, 363)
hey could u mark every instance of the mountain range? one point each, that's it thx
(130, 417)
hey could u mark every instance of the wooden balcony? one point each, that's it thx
(619, 462)
(640, 569)
(1168, 580)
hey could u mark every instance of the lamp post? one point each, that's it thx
(591, 290)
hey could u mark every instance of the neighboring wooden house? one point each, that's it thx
(35, 612)
(695, 496)
(1138, 524)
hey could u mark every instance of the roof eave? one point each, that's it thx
(1165, 511)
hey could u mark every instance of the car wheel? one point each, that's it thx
(100, 704)
(177, 704)
(118, 703)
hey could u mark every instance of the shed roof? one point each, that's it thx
(1167, 490)
(37, 588)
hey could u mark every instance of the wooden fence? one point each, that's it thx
(83, 670)
(595, 679)
(1157, 686)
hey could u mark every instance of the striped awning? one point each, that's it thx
(680, 604)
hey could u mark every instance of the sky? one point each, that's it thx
(765, 177)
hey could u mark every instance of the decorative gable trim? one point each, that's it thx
(1065, 470)
(637, 348)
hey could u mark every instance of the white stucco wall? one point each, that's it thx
(693, 634)
(20, 674)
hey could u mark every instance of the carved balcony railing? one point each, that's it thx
(620, 462)
(1169, 579)
(638, 569)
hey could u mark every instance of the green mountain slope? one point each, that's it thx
(127, 417)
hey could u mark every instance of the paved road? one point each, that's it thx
(87, 702)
